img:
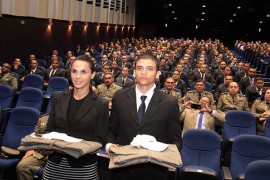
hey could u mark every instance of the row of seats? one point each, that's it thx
(201, 157)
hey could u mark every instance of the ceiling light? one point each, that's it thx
(203, 5)
(202, 19)
(203, 12)
(166, 25)
(238, 7)
(231, 20)
(261, 22)
(170, 4)
(234, 14)
(197, 26)
(173, 12)
(268, 15)
(175, 18)
(260, 29)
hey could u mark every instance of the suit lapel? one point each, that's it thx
(66, 101)
(153, 106)
(131, 103)
(86, 106)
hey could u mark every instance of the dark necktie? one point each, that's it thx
(141, 110)
(199, 96)
(200, 120)
(52, 73)
(123, 81)
(202, 76)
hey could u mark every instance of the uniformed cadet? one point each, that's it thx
(33, 160)
(195, 95)
(7, 78)
(108, 88)
(261, 109)
(169, 83)
(232, 100)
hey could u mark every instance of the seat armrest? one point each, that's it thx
(226, 173)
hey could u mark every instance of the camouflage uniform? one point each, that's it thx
(258, 108)
(193, 96)
(107, 93)
(226, 102)
(9, 79)
(27, 167)
(174, 94)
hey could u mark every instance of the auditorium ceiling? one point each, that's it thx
(248, 19)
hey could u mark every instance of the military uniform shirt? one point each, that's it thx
(9, 79)
(226, 102)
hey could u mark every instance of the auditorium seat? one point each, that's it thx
(237, 123)
(246, 149)
(200, 155)
(258, 170)
(33, 80)
(22, 122)
(56, 84)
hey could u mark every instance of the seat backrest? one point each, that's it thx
(33, 80)
(48, 109)
(57, 84)
(95, 54)
(267, 127)
(41, 62)
(258, 170)
(201, 148)
(6, 96)
(238, 122)
(22, 122)
(248, 148)
(30, 97)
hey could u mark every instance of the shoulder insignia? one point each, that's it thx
(191, 91)
(206, 92)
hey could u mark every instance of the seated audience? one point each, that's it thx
(232, 100)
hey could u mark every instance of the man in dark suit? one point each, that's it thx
(33, 69)
(204, 75)
(242, 72)
(248, 80)
(143, 109)
(178, 83)
(254, 92)
(55, 71)
(223, 87)
(124, 62)
(124, 80)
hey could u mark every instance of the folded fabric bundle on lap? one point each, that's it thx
(74, 149)
(124, 156)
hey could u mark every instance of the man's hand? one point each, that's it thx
(186, 105)
(29, 153)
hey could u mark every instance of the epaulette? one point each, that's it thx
(224, 93)
(206, 92)
(242, 95)
(191, 91)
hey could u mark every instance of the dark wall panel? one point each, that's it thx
(22, 35)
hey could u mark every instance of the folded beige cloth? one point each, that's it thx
(127, 155)
(74, 149)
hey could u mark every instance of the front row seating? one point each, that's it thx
(22, 122)
(200, 155)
